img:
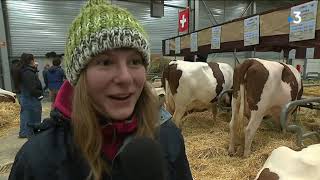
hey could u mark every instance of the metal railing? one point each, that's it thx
(220, 98)
(300, 134)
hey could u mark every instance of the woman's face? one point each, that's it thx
(115, 81)
(33, 63)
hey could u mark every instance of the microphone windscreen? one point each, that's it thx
(143, 159)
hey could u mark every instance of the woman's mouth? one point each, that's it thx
(120, 97)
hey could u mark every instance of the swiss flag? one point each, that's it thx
(183, 20)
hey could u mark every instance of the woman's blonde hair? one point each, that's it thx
(86, 129)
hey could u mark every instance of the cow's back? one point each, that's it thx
(197, 81)
(283, 83)
(286, 163)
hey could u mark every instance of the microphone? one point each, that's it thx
(143, 159)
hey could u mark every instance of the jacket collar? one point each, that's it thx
(63, 100)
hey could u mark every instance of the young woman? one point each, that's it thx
(30, 88)
(105, 103)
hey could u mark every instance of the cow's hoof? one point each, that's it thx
(231, 151)
(246, 154)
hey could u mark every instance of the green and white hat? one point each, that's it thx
(101, 26)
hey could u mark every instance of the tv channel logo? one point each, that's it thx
(296, 19)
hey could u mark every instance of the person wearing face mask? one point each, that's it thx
(30, 95)
(106, 122)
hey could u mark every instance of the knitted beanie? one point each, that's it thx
(101, 26)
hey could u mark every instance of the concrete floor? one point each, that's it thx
(11, 144)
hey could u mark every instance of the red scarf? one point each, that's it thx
(113, 134)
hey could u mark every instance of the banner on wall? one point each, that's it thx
(310, 53)
(177, 42)
(194, 42)
(215, 37)
(302, 21)
(167, 47)
(251, 31)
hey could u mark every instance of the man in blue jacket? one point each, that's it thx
(54, 77)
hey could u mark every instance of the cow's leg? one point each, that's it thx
(214, 110)
(178, 114)
(169, 103)
(232, 127)
(276, 112)
(254, 123)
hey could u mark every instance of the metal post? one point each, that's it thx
(224, 11)
(243, 12)
(253, 11)
(205, 5)
(190, 10)
(235, 58)
(196, 15)
(305, 64)
(4, 54)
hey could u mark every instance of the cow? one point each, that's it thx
(260, 90)
(7, 96)
(191, 84)
(285, 163)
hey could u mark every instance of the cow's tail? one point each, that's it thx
(240, 121)
(239, 81)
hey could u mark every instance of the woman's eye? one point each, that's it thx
(105, 62)
(136, 62)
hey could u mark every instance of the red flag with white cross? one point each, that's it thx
(183, 20)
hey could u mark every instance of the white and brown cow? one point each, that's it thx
(261, 88)
(191, 84)
(285, 163)
(7, 96)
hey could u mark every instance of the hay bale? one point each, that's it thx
(207, 143)
(9, 116)
(311, 91)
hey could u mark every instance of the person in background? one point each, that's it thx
(103, 107)
(45, 80)
(16, 77)
(30, 95)
(54, 78)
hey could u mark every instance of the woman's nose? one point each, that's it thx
(123, 75)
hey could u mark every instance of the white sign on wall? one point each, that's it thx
(167, 47)
(251, 31)
(303, 21)
(292, 54)
(177, 41)
(194, 42)
(310, 53)
(215, 37)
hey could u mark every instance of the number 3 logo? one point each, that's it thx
(297, 17)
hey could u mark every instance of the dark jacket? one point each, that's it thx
(54, 77)
(30, 83)
(16, 78)
(51, 154)
(45, 79)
